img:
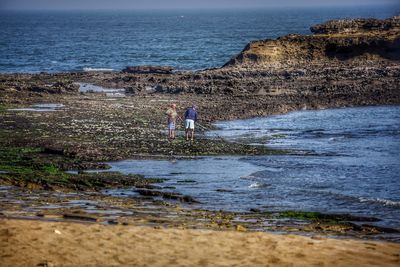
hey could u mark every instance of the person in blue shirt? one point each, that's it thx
(191, 117)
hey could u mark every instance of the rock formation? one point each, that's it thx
(148, 69)
(337, 41)
(357, 26)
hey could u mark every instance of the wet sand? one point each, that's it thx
(41, 243)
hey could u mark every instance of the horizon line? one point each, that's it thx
(350, 5)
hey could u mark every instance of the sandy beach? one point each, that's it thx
(41, 243)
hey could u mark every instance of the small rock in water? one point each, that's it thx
(224, 190)
(247, 177)
(254, 210)
(186, 181)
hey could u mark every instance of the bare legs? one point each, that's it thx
(189, 132)
(171, 133)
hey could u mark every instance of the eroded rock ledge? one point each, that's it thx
(353, 41)
(357, 25)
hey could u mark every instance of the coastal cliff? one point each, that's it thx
(336, 41)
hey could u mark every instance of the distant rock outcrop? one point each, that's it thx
(349, 41)
(357, 26)
(148, 69)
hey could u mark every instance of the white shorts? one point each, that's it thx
(171, 125)
(189, 124)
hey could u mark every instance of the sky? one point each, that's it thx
(179, 4)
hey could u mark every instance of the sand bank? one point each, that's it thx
(40, 243)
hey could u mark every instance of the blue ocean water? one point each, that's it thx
(353, 168)
(55, 41)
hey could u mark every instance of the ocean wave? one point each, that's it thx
(385, 202)
(350, 198)
(97, 69)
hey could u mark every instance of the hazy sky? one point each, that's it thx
(174, 4)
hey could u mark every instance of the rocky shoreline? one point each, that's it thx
(345, 63)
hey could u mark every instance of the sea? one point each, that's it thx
(58, 41)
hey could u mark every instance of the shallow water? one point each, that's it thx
(200, 178)
(40, 108)
(88, 87)
(109, 92)
(354, 168)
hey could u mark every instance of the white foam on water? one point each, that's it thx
(258, 185)
(385, 202)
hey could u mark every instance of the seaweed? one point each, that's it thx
(323, 217)
(33, 168)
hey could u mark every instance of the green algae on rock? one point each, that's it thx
(319, 217)
(34, 169)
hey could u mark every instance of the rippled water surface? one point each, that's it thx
(354, 167)
(111, 40)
